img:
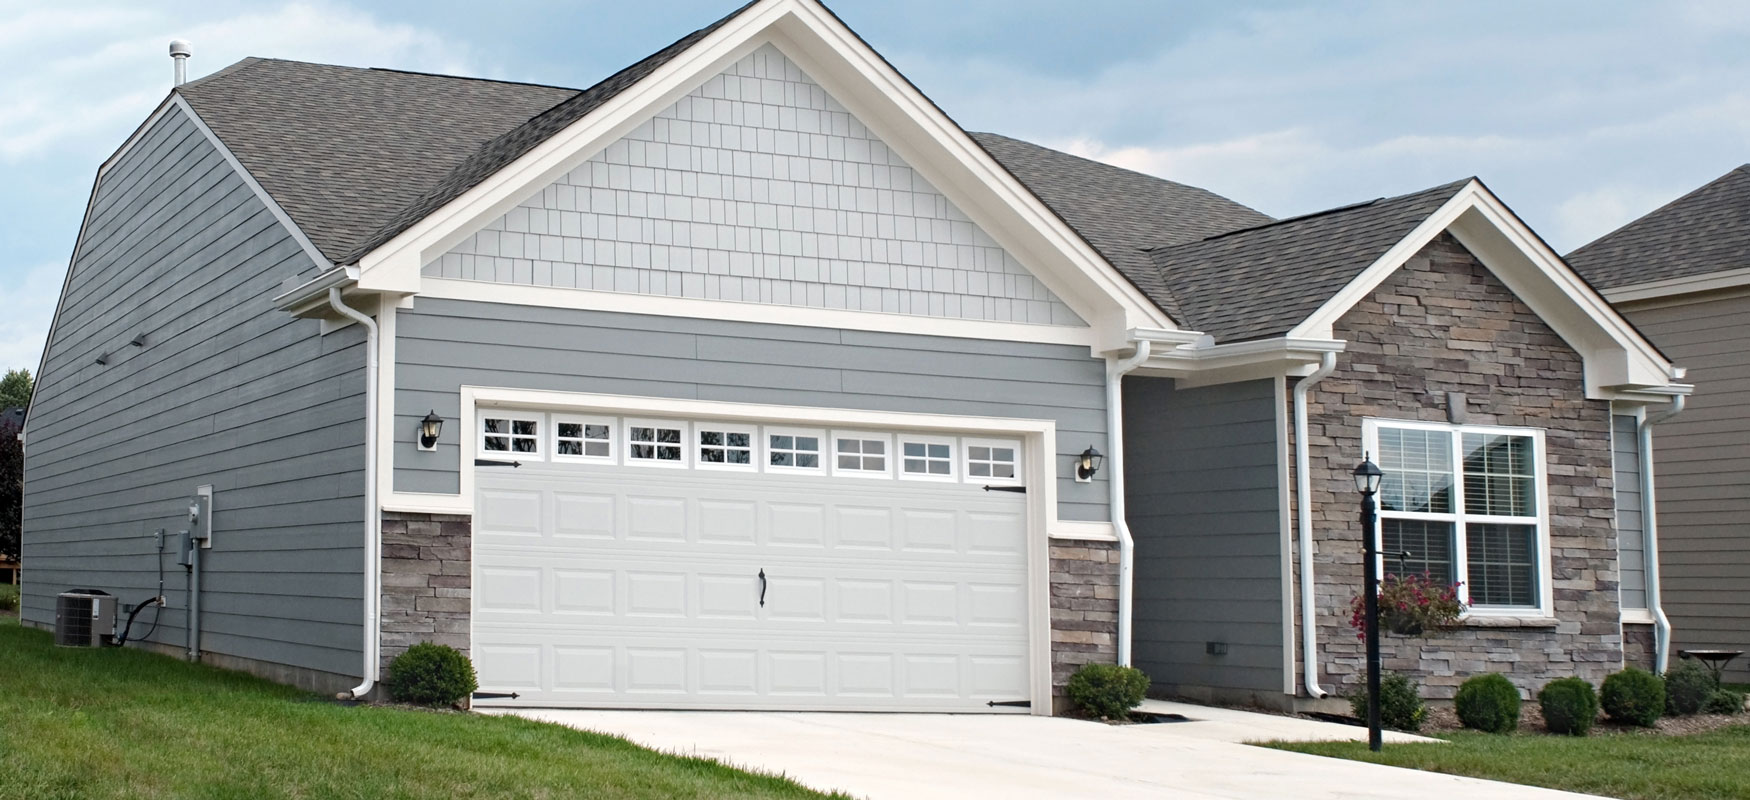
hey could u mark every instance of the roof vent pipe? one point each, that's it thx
(179, 53)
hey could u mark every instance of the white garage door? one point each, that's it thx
(675, 564)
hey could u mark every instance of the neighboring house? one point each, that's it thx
(765, 385)
(1682, 275)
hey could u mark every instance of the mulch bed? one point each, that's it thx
(1442, 719)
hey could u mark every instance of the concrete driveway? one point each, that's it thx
(942, 755)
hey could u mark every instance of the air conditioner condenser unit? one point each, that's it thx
(84, 618)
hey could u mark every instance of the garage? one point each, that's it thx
(625, 562)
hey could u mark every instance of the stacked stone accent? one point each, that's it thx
(1443, 323)
(1638, 646)
(426, 581)
(1084, 607)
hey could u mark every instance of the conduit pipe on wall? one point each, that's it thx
(1115, 371)
(373, 515)
(1309, 631)
(1650, 533)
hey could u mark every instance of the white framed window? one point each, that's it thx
(1468, 503)
(863, 455)
(725, 446)
(993, 460)
(795, 450)
(510, 433)
(578, 438)
(926, 458)
(656, 443)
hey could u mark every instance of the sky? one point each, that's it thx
(1580, 115)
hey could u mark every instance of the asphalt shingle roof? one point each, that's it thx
(1120, 213)
(1707, 230)
(1260, 282)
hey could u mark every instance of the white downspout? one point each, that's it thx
(1650, 534)
(1309, 630)
(373, 516)
(1115, 371)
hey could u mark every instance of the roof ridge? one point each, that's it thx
(1108, 165)
(473, 78)
(1325, 212)
(232, 68)
(1744, 168)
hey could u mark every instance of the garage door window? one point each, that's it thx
(658, 444)
(726, 447)
(510, 433)
(926, 458)
(996, 461)
(583, 438)
(793, 450)
(860, 454)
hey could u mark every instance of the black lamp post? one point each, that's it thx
(1367, 477)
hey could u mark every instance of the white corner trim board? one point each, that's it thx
(870, 88)
(772, 313)
(1617, 357)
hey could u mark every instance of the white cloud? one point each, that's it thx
(1590, 214)
(29, 303)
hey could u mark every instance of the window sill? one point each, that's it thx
(1508, 622)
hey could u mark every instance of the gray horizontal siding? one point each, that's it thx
(1702, 470)
(1203, 505)
(226, 392)
(1630, 534)
(442, 345)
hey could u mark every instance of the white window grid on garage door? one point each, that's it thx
(749, 447)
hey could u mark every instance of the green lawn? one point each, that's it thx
(1630, 766)
(124, 723)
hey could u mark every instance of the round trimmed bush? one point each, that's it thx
(1569, 706)
(1107, 690)
(1400, 703)
(1488, 703)
(1723, 701)
(431, 675)
(1687, 686)
(1635, 697)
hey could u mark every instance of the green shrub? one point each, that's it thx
(8, 597)
(1687, 686)
(1488, 703)
(1569, 706)
(1635, 697)
(1107, 690)
(431, 675)
(1400, 703)
(1723, 701)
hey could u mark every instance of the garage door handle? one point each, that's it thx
(762, 586)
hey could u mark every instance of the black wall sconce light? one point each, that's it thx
(1088, 464)
(429, 428)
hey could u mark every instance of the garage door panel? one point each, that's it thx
(640, 588)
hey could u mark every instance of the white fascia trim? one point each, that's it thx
(1688, 284)
(808, 34)
(1201, 358)
(1474, 214)
(736, 311)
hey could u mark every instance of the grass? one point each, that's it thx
(1625, 765)
(126, 723)
(8, 597)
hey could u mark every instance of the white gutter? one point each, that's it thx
(1650, 533)
(1115, 370)
(1309, 631)
(373, 515)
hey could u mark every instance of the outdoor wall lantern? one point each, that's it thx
(1367, 478)
(429, 428)
(1088, 463)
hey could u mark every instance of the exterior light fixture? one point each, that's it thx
(139, 340)
(103, 360)
(1367, 477)
(429, 428)
(1088, 464)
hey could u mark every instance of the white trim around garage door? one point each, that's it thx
(1038, 442)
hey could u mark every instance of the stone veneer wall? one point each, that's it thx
(1444, 323)
(1084, 607)
(426, 581)
(1638, 646)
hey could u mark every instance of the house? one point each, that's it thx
(746, 378)
(1682, 275)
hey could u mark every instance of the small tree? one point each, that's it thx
(15, 389)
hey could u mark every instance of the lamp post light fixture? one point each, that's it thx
(429, 428)
(1367, 478)
(1088, 463)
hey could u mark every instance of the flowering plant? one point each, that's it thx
(1409, 605)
